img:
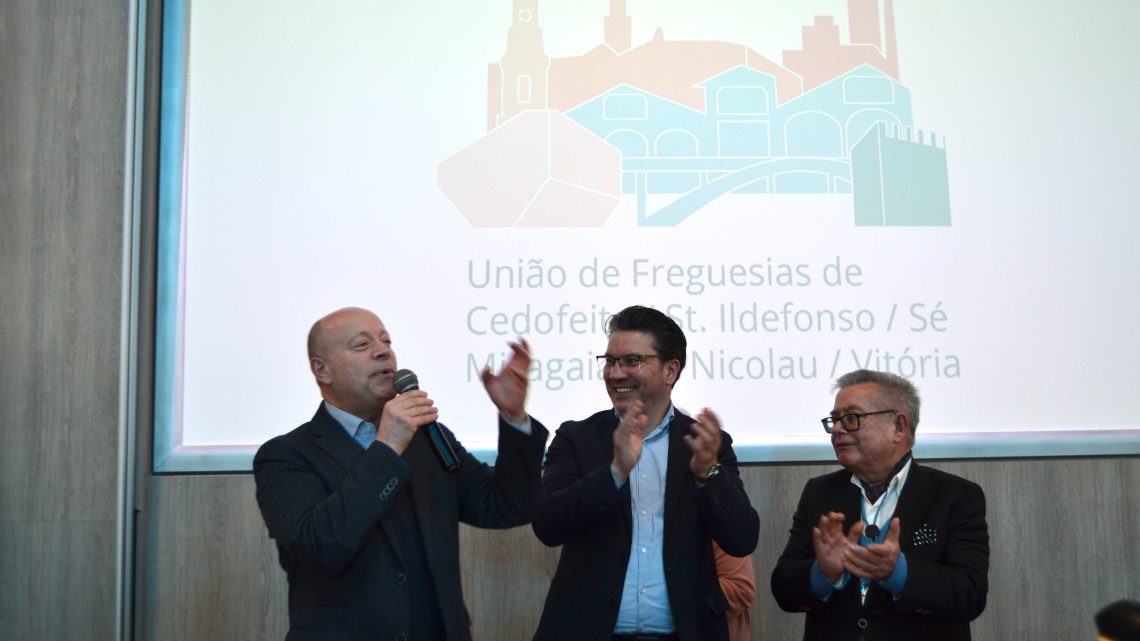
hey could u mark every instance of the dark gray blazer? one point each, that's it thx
(326, 503)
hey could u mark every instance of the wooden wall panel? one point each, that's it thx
(57, 581)
(62, 96)
(63, 108)
(211, 567)
(1063, 533)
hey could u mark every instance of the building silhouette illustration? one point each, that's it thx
(697, 120)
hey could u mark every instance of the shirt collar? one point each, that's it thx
(662, 426)
(348, 421)
(898, 481)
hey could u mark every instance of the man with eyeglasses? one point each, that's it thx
(635, 495)
(885, 548)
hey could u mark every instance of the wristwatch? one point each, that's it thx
(712, 471)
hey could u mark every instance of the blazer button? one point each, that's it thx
(401, 578)
(862, 623)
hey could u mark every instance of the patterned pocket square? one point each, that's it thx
(925, 535)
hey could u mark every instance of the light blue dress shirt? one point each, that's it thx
(349, 422)
(644, 597)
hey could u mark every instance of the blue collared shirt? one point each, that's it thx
(644, 597)
(348, 421)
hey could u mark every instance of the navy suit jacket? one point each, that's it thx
(326, 502)
(582, 510)
(943, 533)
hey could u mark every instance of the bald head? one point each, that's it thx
(321, 334)
(351, 357)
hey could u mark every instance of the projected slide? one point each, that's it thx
(941, 190)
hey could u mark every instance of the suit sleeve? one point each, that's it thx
(725, 507)
(506, 495)
(791, 578)
(310, 521)
(573, 498)
(953, 586)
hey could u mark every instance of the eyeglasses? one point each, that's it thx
(627, 363)
(850, 422)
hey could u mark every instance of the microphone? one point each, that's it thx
(406, 381)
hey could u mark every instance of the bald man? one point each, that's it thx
(365, 518)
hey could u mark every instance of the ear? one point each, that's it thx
(902, 426)
(320, 370)
(672, 371)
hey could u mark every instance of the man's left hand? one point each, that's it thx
(508, 388)
(704, 441)
(875, 561)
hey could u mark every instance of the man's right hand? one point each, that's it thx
(628, 441)
(404, 415)
(831, 545)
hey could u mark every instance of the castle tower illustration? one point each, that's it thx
(518, 81)
(900, 179)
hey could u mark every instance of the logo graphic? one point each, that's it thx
(692, 121)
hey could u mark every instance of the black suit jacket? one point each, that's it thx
(326, 502)
(943, 533)
(581, 510)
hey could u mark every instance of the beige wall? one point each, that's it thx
(1064, 532)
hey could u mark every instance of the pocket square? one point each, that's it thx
(925, 535)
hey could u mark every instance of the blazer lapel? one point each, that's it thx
(331, 438)
(603, 454)
(420, 457)
(916, 497)
(849, 501)
(677, 471)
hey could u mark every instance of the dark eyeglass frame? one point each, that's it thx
(625, 362)
(847, 420)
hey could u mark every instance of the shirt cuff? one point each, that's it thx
(896, 580)
(523, 427)
(821, 588)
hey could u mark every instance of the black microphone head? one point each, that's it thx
(406, 381)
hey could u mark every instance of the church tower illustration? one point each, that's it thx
(519, 79)
(619, 32)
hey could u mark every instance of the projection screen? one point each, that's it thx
(946, 191)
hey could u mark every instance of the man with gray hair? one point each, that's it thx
(885, 548)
